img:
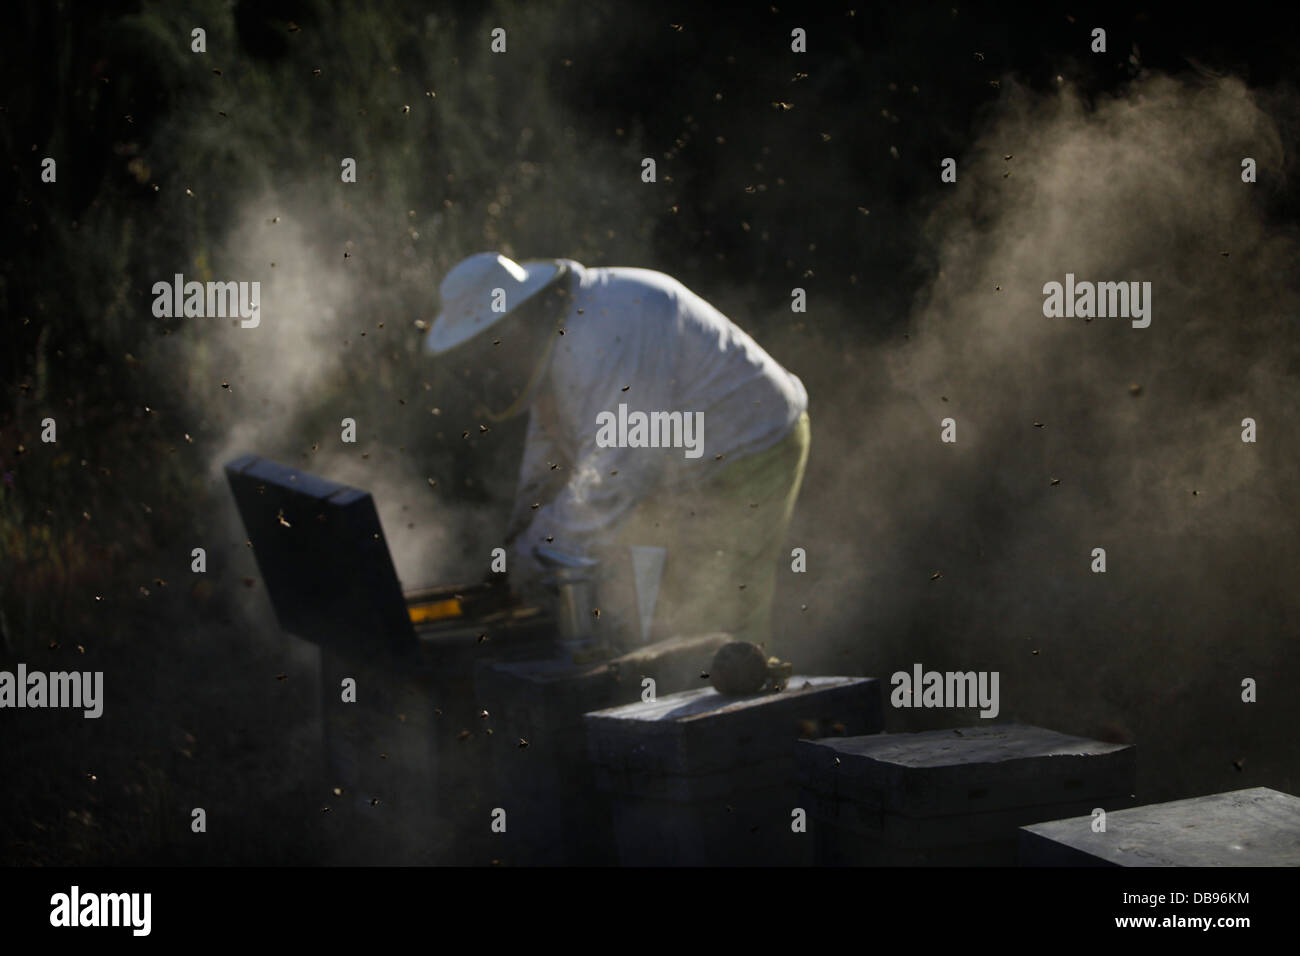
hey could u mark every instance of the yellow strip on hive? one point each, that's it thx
(434, 611)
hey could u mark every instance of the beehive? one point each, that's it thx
(554, 813)
(952, 797)
(1255, 827)
(697, 778)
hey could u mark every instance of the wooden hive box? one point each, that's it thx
(1255, 827)
(952, 797)
(697, 778)
(554, 813)
(394, 752)
(401, 741)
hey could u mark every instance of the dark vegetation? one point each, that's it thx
(157, 154)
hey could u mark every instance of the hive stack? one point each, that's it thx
(697, 778)
(952, 797)
(1256, 827)
(554, 814)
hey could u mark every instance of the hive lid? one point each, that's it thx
(323, 557)
(1255, 827)
(974, 769)
(699, 731)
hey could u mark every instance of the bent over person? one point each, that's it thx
(654, 422)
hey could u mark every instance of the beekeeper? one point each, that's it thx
(657, 428)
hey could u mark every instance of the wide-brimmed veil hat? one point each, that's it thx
(482, 290)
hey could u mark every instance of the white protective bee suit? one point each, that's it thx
(641, 339)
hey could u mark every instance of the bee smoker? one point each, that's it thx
(572, 581)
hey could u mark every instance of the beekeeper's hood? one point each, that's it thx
(482, 290)
(479, 295)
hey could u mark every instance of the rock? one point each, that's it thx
(739, 669)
